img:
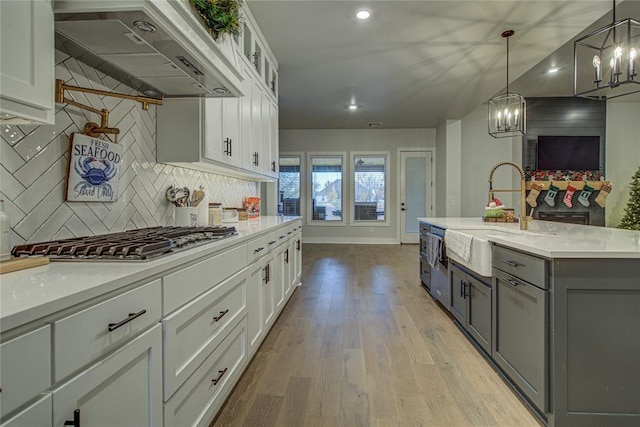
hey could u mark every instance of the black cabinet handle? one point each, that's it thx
(281, 237)
(272, 242)
(222, 313)
(298, 245)
(230, 146)
(511, 263)
(289, 232)
(76, 419)
(273, 166)
(511, 282)
(227, 145)
(215, 381)
(286, 256)
(132, 316)
(255, 251)
(268, 273)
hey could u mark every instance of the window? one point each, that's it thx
(326, 187)
(289, 186)
(369, 187)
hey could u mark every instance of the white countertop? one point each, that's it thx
(33, 293)
(553, 239)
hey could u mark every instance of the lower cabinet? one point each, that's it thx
(200, 397)
(37, 414)
(471, 305)
(254, 305)
(281, 282)
(520, 335)
(123, 389)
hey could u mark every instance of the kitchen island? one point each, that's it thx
(163, 340)
(564, 323)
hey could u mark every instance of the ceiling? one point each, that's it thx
(417, 63)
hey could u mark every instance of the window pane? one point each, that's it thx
(326, 194)
(369, 188)
(289, 186)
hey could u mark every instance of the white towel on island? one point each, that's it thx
(458, 243)
(433, 249)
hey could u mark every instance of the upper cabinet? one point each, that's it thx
(26, 68)
(237, 136)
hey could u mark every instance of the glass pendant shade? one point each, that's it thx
(607, 61)
(507, 115)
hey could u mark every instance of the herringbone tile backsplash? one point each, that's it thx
(34, 164)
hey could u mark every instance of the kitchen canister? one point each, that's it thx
(203, 211)
(5, 245)
(186, 216)
(215, 213)
(229, 215)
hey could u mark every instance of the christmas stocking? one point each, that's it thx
(601, 200)
(569, 195)
(583, 198)
(533, 194)
(550, 198)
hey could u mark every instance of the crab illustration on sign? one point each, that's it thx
(94, 167)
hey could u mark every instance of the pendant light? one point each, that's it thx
(606, 61)
(507, 112)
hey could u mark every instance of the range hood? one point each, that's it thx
(157, 47)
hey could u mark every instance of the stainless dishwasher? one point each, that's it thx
(440, 288)
(520, 322)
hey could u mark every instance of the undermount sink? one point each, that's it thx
(480, 259)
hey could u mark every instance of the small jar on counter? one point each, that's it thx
(243, 215)
(215, 213)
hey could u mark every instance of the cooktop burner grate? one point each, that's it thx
(132, 245)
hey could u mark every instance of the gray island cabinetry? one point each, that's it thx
(565, 316)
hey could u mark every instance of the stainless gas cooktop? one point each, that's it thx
(133, 245)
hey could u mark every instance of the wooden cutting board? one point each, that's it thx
(22, 263)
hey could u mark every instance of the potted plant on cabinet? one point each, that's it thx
(220, 16)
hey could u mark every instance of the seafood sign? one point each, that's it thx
(94, 169)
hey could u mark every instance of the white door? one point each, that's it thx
(415, 193)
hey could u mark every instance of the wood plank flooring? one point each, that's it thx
(360, 343)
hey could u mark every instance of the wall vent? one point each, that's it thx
(375, 124)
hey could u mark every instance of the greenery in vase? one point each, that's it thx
(631, 218)
(221, 16)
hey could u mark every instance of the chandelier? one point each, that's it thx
(606, 61)
(507, 112)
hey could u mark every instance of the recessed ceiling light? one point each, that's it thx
(353, 107)
(553, 70)
(363, 14)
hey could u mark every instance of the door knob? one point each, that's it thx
(403, 209)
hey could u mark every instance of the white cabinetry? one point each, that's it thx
(26, 69)
(123, 389)
(37, 414)
(222, 130)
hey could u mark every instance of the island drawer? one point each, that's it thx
(261, 246)
(25, 368)
(91, 333)
(192, 332)
(184, 285)
(521, 265)
(200, 397)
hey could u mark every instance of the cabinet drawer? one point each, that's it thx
(523, 266)
(184, 285)
(260, 246)
(25, 368)
(85, 336)
(200, 397)
(37, 414)
(192, 332)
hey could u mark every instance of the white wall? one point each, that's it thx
(479, 153)
(622, 154)
(347, 140)
(453, 183)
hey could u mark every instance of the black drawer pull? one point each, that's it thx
(222, 313)
(215, 381)
(512, 263)
(76, 419)
(511, 281)
(132, 316)
(290, 232)
(282, 237)
(298, 245)
(255, 251)
(272, 242)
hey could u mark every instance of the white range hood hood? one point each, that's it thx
(158, 47)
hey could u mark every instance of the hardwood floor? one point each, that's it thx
(360, 343)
